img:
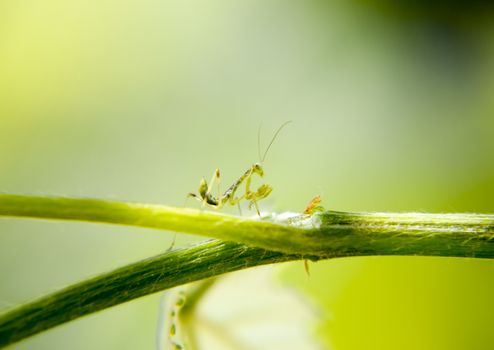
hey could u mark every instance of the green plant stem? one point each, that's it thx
(271, 240)
(326, 234)
(148, 276)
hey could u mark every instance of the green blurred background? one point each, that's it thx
(392, 110)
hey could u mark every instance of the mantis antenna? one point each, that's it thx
(270, 143)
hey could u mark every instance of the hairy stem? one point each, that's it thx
(130, 282)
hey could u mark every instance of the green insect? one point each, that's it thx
(230, 195)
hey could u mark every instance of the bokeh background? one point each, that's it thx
(392, 110)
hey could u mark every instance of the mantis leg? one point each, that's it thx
(254, 202)
(251, 195)
(214, 178)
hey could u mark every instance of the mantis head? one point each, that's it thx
(257, 168)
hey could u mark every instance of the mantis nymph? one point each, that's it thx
(228, 197)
